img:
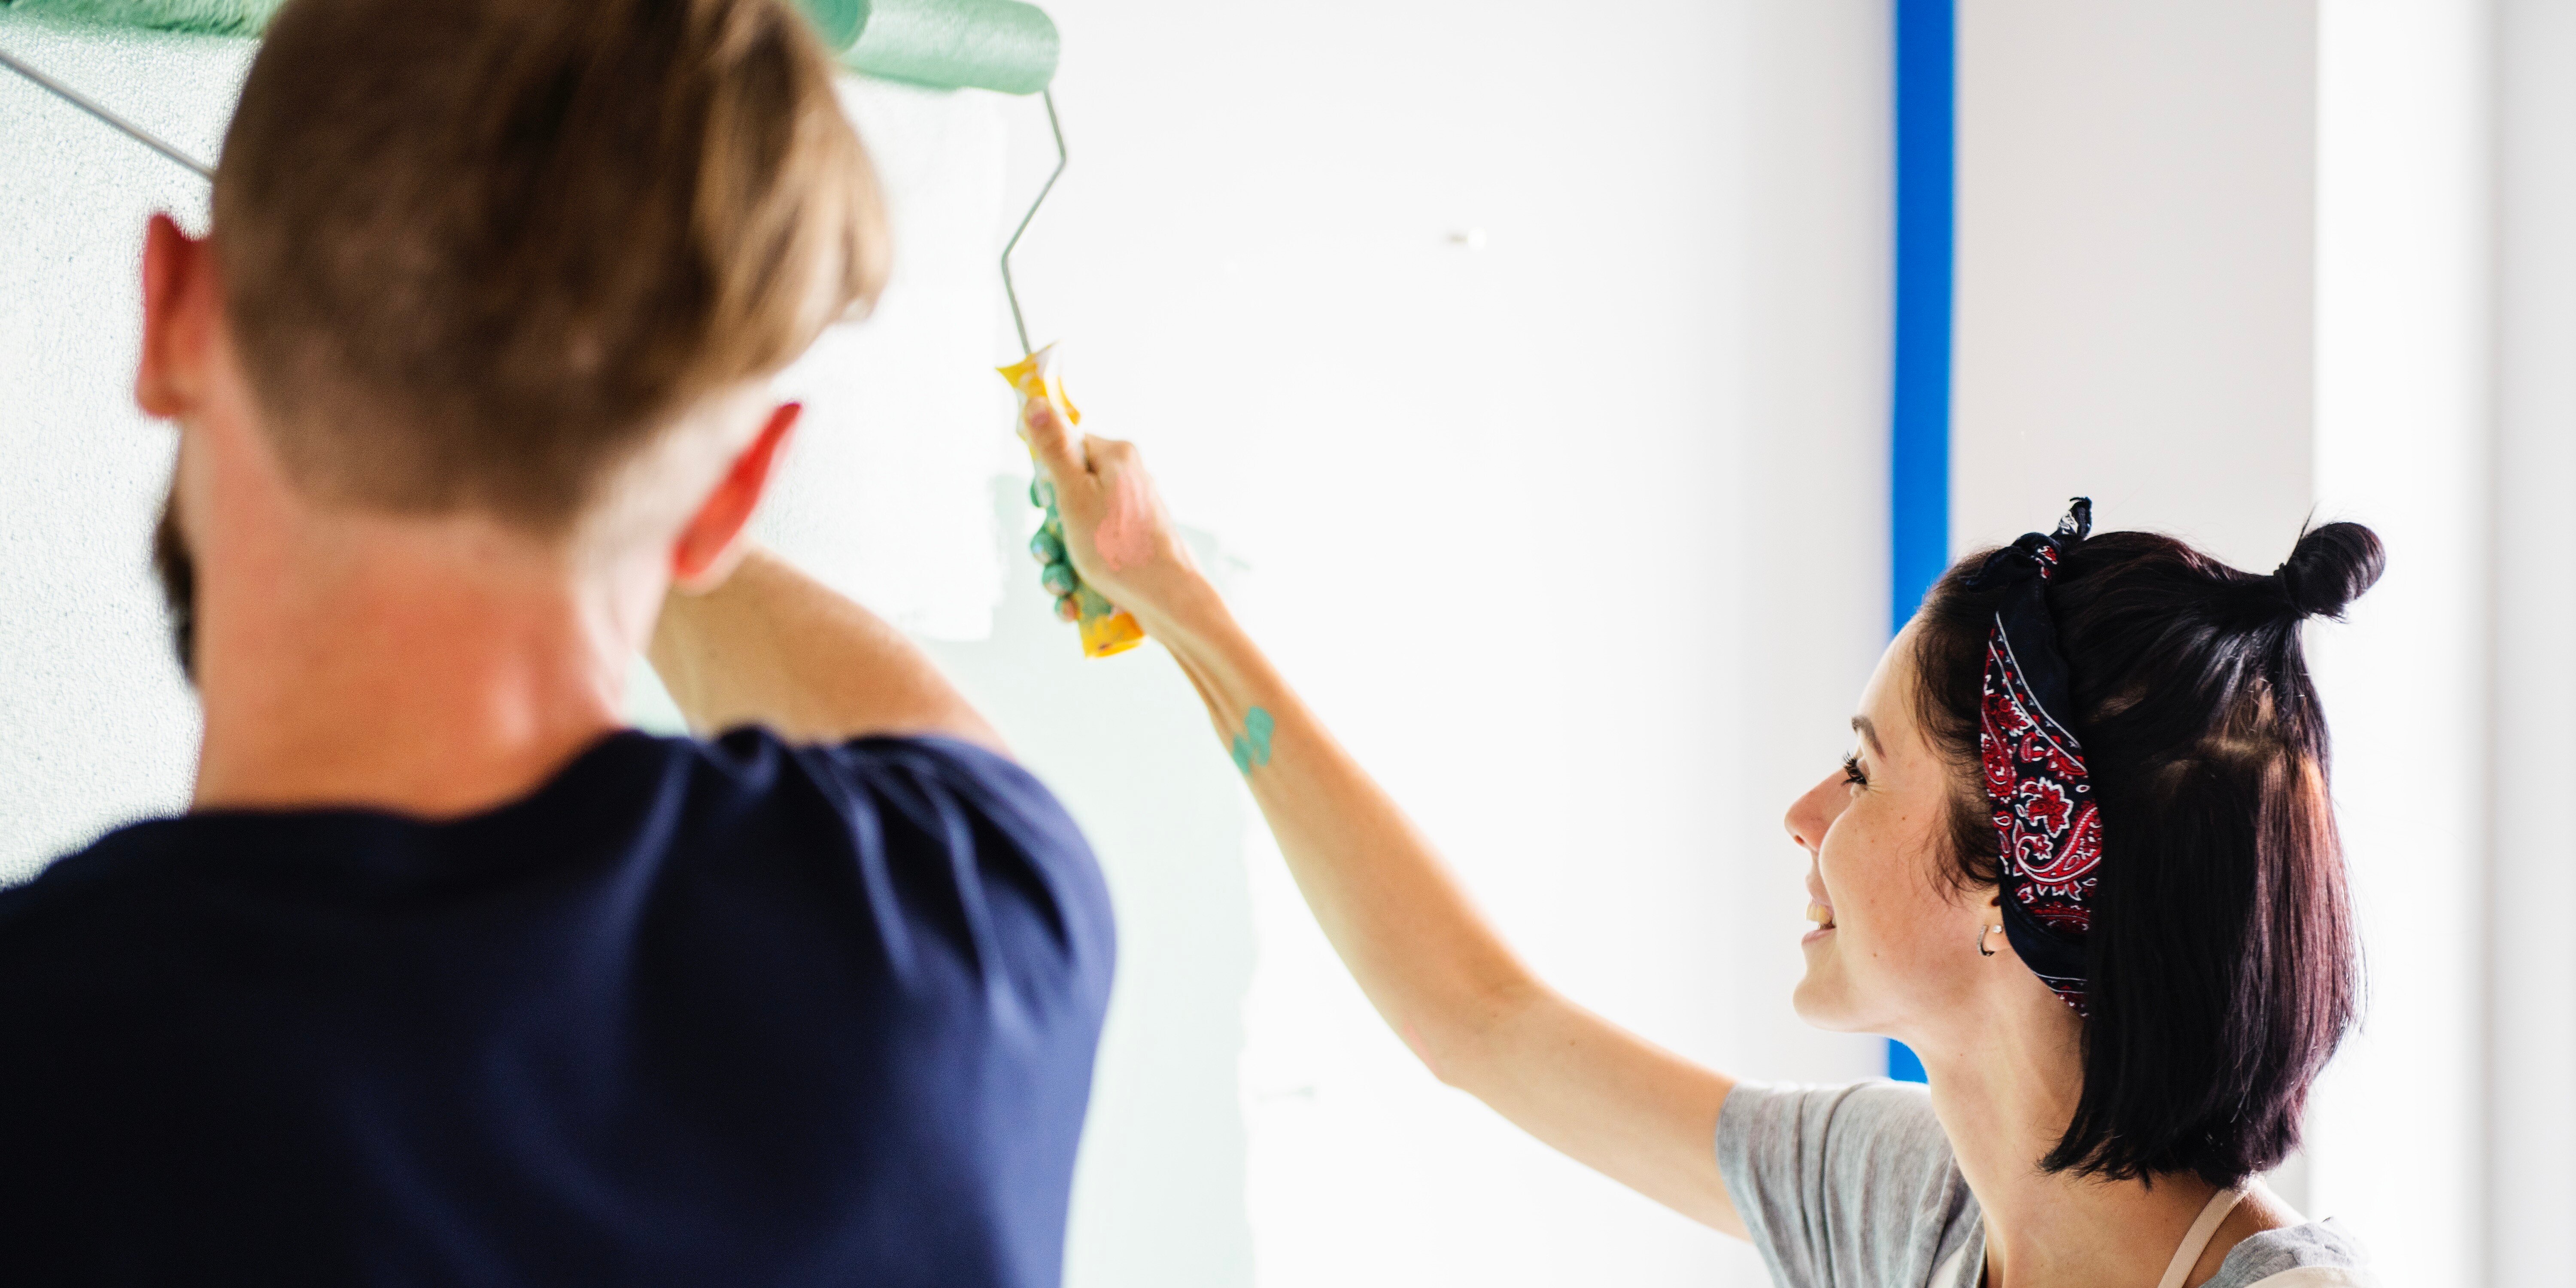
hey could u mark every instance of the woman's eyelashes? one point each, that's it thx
(1852, 773)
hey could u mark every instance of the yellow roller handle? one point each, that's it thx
(1106, 628)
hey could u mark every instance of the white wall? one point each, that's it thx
(2530, 979)
(887, 493)
(2136, 224)
(1517, 518)
(1811, 485)
(96, 727)
(2403, 438)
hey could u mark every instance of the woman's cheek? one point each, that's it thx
(1872, 922)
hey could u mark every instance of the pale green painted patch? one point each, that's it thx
(221, 17)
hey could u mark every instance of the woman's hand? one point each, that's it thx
(1116, 530)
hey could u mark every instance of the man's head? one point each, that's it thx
(492, 257)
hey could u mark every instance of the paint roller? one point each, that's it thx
(1000, 45)
(1009, 47)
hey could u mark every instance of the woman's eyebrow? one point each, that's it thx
(1869, 734)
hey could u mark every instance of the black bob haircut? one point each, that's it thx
(2222, 965)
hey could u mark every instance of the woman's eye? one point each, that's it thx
(1851, 770)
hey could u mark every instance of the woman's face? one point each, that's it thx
(1895, 944)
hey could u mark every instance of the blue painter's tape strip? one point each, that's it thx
(1918, 457)
(1919, 419)
(1902, 1064)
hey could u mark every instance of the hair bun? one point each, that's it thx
(2331, 567)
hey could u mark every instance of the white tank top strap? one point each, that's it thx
(2202, 1231)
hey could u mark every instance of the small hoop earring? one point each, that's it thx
(1982, 932)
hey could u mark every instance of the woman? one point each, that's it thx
(2080, 859)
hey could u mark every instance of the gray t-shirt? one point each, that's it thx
(1855, 1187)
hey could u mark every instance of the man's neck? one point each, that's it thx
(435, 667)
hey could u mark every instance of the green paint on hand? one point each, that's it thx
(1252, 746)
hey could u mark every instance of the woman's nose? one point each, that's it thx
(1811, 814)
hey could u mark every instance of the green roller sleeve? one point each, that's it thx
(217, 17)
(952, 44)
(838, 22)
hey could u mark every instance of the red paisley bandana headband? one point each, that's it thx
(2033, 766)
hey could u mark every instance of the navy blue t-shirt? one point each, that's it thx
(733, 1013)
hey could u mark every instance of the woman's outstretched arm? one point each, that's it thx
(1428, 960)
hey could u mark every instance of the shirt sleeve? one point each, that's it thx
(982, 857)
(1843, 1186)
(2316, 1255)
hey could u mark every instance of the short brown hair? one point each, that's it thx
(477, 252)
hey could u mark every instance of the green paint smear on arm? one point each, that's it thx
(1252, 746)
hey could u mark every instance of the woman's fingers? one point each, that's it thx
(1069, 489)
(1107, 528)
(1051, 440)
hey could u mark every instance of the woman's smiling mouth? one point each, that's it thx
(1823, 915)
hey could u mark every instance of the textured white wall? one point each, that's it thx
(96, 727)
(886, 493)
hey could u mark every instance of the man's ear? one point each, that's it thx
(178, 307)
(707, 549)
